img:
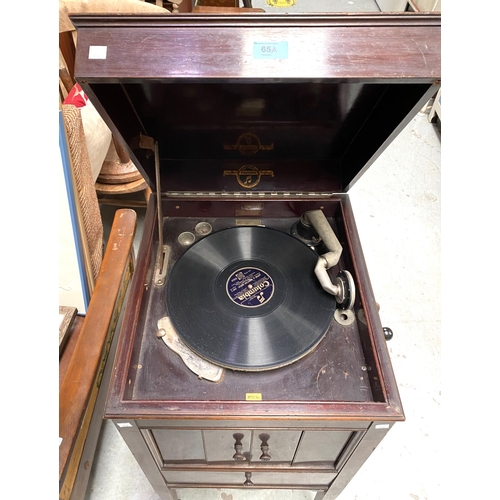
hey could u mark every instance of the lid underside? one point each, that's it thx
(281, 128)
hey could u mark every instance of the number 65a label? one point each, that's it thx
(270, 50)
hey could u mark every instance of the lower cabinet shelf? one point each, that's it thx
(256, 479)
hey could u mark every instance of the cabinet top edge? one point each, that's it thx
(261, 412)
(255, 20)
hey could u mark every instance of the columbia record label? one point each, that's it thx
(250, 287)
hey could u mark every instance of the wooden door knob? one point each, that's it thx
(238, 447)
(248, 481)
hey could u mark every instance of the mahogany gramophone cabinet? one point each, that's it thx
(251, 353)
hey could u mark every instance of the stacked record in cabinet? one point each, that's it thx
(251, 353)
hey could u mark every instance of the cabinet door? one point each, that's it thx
(227, 445)
(271, 446)
(321, 446)
(177, 446)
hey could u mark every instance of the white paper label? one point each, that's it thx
(98, 51)
(124, 424)
(381, 426)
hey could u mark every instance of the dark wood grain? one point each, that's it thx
(156, 47)
(223, 10)
(99, 20)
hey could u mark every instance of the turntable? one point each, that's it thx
(251, 353)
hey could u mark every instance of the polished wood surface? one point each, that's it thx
(369, 47)
(223, 10)
(78, 375)
(314, 137)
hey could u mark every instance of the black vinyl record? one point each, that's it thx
(247, 298)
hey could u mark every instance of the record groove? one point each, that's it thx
(246, 298)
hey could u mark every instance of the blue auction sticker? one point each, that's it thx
(250, 287)
(270, 50)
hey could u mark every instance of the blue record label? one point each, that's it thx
(250, 287)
